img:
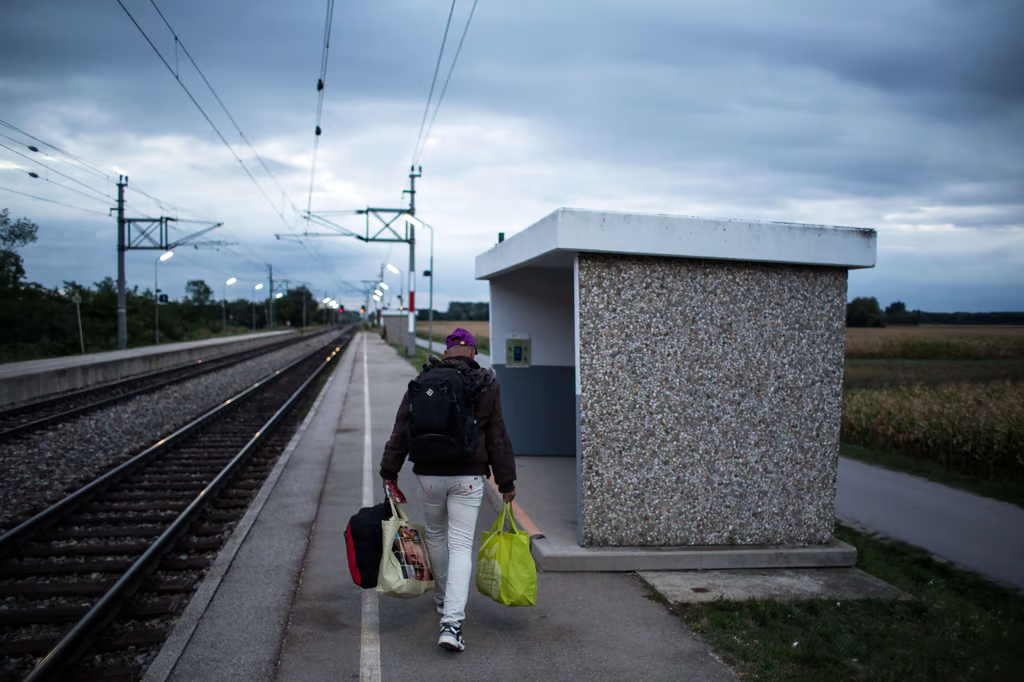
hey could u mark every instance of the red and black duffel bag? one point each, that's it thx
(365, 543)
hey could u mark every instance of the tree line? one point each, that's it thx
(459, 311)
(866, 312)
(40, 322)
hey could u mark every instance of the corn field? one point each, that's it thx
(936, 343)
(975, 429)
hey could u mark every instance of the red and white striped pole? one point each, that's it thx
(411, 349)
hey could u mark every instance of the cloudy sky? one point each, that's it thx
(907, 117)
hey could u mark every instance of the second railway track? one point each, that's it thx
(104, 571)
(23, 419)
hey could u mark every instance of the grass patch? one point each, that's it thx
(483, 343)
(890, 373)
(1007, 490)
(958, 627)
(417, 360)
(965, 342)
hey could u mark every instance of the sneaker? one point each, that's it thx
(439, 605)
(451, 637)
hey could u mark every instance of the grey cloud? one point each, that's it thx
(730, 102)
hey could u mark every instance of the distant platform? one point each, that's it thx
(22, 382)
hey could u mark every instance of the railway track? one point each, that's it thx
(89, 587)
(24, 419)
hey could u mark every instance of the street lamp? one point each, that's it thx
(165, 256)
(393, 269)
(224, 306)
(255, 289)
(278, 295)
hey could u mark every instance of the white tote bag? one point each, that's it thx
(405, 564)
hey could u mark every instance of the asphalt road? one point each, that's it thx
(978, 533)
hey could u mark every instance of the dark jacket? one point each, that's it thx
(494, 449)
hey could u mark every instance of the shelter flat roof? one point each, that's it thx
(554, 240)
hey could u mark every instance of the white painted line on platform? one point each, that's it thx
(369, 645)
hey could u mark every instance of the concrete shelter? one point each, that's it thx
(692, 367)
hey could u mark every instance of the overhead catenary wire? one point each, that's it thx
(325, 263)
(102, 195)
(51, 201)
(36, 150)
(321, 84)
(433, 82)
(205, 115)
(83, 165)
(322, 261)
(72, 189)
(444, 89)
(231, 118)
(92, 167)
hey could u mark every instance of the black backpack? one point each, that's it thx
(441, 427)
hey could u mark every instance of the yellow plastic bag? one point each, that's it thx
(505, 571)
(405, 564)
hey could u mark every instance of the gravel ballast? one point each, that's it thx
(42, 467)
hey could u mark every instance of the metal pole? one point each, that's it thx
(122, 305)
(78, 312)
(156, 301)
(430, 314)
(411, 348)
(254, 312)
(224, 311)
(270, 268)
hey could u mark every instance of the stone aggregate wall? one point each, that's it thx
(710, 404)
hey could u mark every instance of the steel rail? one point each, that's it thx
(75, 641)
(21, 533)
(176, 375)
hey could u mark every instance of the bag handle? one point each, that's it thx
(506, 512)
(396, 509)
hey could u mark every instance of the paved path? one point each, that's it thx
(978, 533)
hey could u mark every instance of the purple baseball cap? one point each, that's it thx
(460, 337)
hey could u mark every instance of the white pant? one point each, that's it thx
(450, 508)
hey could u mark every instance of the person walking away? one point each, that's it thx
(450, 426)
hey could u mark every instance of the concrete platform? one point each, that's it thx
(22, 382)
(280, 604)
(840, 584)
(546, 503)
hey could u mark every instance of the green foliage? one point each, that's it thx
(17, 234)
(864, 312)
(459, 311)
(36, 322)
(888, 373)
(13, 235)
(897, 313)
(972, 429)
(199, 292)
(956, 627)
